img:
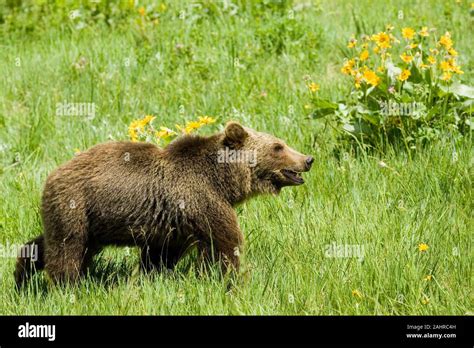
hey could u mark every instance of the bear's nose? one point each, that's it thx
(309, 162)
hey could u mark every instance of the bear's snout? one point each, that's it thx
(309, 162)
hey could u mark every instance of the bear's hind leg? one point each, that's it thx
(68, 249)
(67, 258)
(67, 261)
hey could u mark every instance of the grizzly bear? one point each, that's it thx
(163, 200)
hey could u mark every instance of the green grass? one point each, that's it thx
(424, 198)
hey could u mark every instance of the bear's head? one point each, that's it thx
(271, 162)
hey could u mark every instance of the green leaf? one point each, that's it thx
(459, 90)
(323, 108)
(320, 113)
(467, 106)
(362, 109)
(416, 75)
(325, 104)
(371, 119)
(408, 86)
(434, 111)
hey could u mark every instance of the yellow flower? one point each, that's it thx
(413, 45)
(446, 76)
(147, 119)
(446, 41)
(424, 66)
(408, 33)
(424, 32)
(389, 27)
(406, 58)
(445, 65)
(161, 134)
(382, 40)
(428, 277)
(357, 80)
(456, 69)
(452, 52)
(133, 130)
(352, 43)
(405, 74)
(376, 49)
(165, 133)
(381, 69)
(204, 120)
(364, 55)
(356, 293)
(450, 66)
(431, 60)
(348, 67)
(192, 126)
(141, 11)
(425, 301)
(434, 51)
(423, 247)
(138, 126)
(371, 77)
(313, 87)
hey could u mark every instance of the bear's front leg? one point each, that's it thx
(220, 238)
(160, 257)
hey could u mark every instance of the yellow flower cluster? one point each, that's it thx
(449, 65)
(138, 126)
(363, 74)
(142, 128)
(356, 67)
(413, 56)
(165, 133)
(191, 126)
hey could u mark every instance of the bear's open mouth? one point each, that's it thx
(292, 176)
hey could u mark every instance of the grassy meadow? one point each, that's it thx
(408, 212)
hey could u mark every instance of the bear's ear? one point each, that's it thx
(235, 135)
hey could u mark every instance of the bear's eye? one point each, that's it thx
(277, 147)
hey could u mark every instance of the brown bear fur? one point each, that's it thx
(165, 201)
